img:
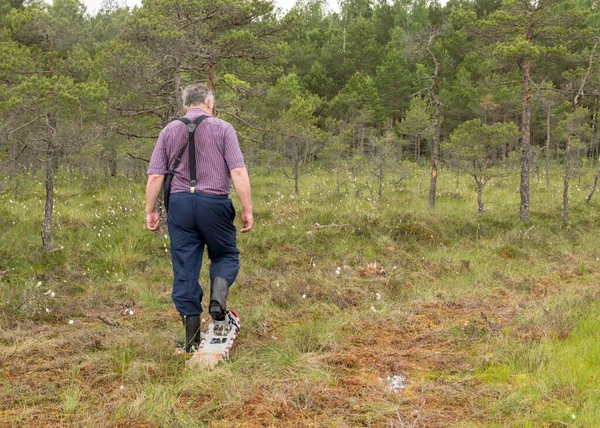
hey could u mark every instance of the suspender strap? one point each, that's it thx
(191, 126)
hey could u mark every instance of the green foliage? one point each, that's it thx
(477, 145)
(577, 126)
(395, 83)
(361, 52)
(359, 95)
(281, 95)
(418, 122)
(317, 81)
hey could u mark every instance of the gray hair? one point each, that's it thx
(197, 94)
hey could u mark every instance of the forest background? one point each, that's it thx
(387, 108)
(365, 88)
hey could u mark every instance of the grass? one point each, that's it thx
(491, 321)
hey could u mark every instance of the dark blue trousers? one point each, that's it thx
(196, 220)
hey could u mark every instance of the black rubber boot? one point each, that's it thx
(192, 332)
(219, 288)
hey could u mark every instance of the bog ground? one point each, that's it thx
(356, 311)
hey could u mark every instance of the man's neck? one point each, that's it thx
(201, 107)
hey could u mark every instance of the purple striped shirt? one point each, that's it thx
(217, 153)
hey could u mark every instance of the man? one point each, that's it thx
(202, 214)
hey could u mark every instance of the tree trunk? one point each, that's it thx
(548, 148)
(596, 133)
(436, 134)
(51, 146)
(112, 162)
(589, 198)
(380, 178)
(571, 131)
(504, 146)
(297, 175)
(457, 177)
(71, 170)
(480, 185)
(49, 207)
(525, 142)
(418, 149)
(566, 178)
(211, 74)
(13, 152)
(176, 100)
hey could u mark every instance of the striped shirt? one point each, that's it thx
(217, 153)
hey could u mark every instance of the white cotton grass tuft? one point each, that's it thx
(396, 383)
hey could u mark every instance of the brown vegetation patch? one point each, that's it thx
(132, 423)
(440, 390)
(371, 269)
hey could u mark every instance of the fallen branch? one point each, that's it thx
(326, 226)
(528, 230)
(108, 321)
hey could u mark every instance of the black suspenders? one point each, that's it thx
(191, 126)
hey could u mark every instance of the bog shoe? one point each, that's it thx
(221, 328)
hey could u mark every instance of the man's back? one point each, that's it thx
(217, 153)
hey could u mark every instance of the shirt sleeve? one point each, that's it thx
(159, 162)
(232, 153)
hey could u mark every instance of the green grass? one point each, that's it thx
(558, 376)
(492, 321)
(71, 399)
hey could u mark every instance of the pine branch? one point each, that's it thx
(127, 134)
(26, 125)
(137, 157)
(256, 128)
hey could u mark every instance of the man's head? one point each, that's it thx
(198, 95)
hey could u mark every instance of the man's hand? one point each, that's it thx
(153, 187)
(241, 182)
(247, 221)
(153, 221)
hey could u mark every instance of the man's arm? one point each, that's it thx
(153, 187)
(241, 182)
